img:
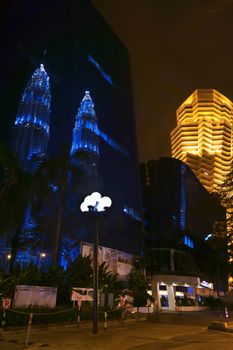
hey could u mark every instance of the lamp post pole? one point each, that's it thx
(95, 275)
(95, 204)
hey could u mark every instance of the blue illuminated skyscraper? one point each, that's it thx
(30, 133)
(85, 138)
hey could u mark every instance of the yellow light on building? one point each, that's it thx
(203, 136)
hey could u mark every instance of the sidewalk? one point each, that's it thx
(130, 335)
(47, 337)
(119, 335)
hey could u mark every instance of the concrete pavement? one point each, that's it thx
(169, 332)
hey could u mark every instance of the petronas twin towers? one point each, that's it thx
(30, 134)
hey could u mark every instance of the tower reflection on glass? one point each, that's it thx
(95, 204)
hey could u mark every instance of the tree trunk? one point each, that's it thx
(57, 236)
(14, 248)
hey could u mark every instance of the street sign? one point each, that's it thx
(85, 294)
(6, 303)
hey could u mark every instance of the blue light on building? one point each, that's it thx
(183, 198)
(131, 212)
(188, 241)
(30, 133)
(28, 121)
(101, 70)
(84, 138)
(208, 237)
(86, 132)
(107, 139)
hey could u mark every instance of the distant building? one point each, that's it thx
(180, 220)
(30, 134)
(203, 136)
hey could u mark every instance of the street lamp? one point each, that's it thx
(95, 203)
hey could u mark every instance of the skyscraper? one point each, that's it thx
(30, 133)
(29, 142)
(176, 202)
(85, 139)
(203, 136)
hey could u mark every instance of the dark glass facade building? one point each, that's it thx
(83, 54)
(176, 203)
(183, 219)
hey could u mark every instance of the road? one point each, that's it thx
(183, 333)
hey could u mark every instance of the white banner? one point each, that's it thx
(117, 261)
(35, 295)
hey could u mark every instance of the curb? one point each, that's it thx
(84, 325)
(220, 326)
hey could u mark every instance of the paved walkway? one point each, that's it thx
(170, 332)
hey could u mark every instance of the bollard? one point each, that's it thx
(148, 312)
(3, 322)
(122, 316)
(28, 330)
(105, 321)
(78, 315)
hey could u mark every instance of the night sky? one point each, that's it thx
(176, 46)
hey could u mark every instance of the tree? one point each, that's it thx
(138, 283)
(80, 272)
(57, 277)
(217, 254)
(225, 193)
(109, 281)
(29, 275)
(62, 178)
(16, 193)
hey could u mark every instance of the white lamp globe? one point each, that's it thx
(90, 201)
(96, 196)
(100, 207)
(83, 207)
(106, 202)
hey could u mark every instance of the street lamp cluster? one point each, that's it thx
(95, 203)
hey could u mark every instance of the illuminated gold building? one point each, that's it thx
(203, 137)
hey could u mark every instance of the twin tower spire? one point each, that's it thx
(30, 134)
